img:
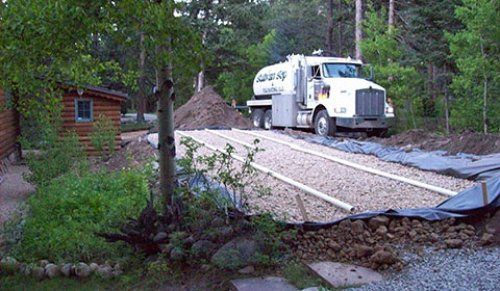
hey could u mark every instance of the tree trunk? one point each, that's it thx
(391, 14)
(485, 105)
(358, 32)
(329, 32)
(166, 137)
(141, 96)
(447, 109)
(339, 21)
(200, 78)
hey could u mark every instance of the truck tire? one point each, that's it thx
(268, 119)
(257, 118)
(324, 125)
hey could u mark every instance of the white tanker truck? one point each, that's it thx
(324, 93)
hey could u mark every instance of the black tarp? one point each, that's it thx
(463, 166)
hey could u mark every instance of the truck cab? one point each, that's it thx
(328, 94)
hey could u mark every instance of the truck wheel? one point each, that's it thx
(268, 119)
(257, 117)
(324, 125)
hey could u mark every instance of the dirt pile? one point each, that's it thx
(467, 142)
(135, 153)
(208, 109)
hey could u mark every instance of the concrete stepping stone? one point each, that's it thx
(343, 275)
(262, 284)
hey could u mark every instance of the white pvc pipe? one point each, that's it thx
(305, 188)
(230, 138)
(433, 188)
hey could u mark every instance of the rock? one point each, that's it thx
(160, 237)
(38, 273)
(334, 246)
(237, 253)
(93, 267)
(25, 269)
(52, 271)
(487, 239)
(166, 249)
(66, 270)
(381, 230)
(358, 226)
(262, 284)
(340, 275)
(384, 257)
(9, 265)
(363, 251)
(454, 243)
(377, 221)
(43, 263)
(105, 271)
(205, 267)
(202, 248)
(117, 272)
(247, 270)
(217, 222)
(177, 254)
(223, 233)
(82, 270)
(189, 241)
(345, 224)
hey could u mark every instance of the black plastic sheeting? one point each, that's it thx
(463, 166)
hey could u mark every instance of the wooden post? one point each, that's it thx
(485, 192)
(302, 208)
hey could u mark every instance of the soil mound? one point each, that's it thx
(208, 109)
(467, 142)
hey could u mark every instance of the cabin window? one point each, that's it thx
(83, 110)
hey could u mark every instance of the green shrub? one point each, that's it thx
(66, 214)
(56, 156)
(103, 135)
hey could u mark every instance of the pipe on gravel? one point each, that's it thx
(230, 138)
(305, 188)
(433, 188)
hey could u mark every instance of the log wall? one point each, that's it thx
(9, 128)
(107, 107)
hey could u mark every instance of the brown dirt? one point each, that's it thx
(208, 109)
(467, 142)
(136, 153)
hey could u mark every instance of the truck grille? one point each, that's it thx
(369, 102)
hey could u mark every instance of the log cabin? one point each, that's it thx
(82, 107)
(9, 130)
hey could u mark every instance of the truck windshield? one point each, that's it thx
(340, 71)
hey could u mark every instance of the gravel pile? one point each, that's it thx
(463, 269)
(363, 190)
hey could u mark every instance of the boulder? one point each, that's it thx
(105, 271)
(377, 221)
(93, 267)
(384, 257)
(237, 253)
(202, 248)
(82, 270)
(358, 226)
(52, 271)
(9, 265)
(454, 243)
(43, 263)
(160, 237)
(66, 269)
(38, 273)
(247, 270)
(262, 284)
(363, 251)
(217, 222)
(177, 254)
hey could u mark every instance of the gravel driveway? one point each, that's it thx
(464, 269)
(363, 190)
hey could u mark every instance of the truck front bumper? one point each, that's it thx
(363, 122)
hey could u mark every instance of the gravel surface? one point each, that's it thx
(464, 269)
(363, 190)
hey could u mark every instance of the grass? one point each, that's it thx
(298, 274)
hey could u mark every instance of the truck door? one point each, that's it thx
(313, 81)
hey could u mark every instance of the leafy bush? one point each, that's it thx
(103, 135)
(65, 215)
(58, 155)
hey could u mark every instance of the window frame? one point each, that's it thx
(91, 101)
